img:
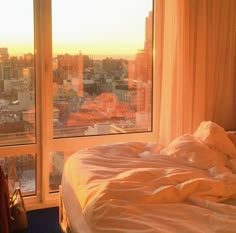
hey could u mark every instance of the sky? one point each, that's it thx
(93, 27)
(16, 26)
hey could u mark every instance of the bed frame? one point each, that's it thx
(63, 219)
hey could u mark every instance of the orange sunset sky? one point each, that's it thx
(94, 27)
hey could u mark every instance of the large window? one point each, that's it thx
(102, 67)
(17, 79)
(72, 72)
(17, 91)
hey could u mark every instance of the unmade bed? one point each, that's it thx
(134, 187)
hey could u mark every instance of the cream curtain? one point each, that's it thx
(196, 64)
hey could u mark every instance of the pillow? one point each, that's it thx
(232, 137)
(232, 165)
(215, 136)
(190, 151)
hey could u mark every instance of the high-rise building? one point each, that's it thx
(80, 75)
(4, 56)
(149, 32)
(144, 68)
(5, 67)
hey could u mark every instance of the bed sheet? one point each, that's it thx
(144, 188)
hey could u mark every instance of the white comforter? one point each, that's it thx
(142, 188)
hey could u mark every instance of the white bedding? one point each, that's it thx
(142, 188)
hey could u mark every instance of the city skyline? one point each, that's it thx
(117, 32)
(86, 91)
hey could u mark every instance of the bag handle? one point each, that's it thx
(14, 196)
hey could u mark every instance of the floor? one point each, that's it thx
(43, 221)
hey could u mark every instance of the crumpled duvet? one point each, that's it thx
(143, 187)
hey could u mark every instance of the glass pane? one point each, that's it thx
(56, 164)
(102, 66)
(17, 79)
(20, 171)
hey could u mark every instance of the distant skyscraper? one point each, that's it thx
(5, 68)
(131, 73)
(144, 68)
(4, 56)
(148, 32)
(80, 75)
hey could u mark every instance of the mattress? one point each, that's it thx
(188, 186)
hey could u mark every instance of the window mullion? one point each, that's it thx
(44, 55)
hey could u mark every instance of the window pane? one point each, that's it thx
(20, 171)
(102, 66)
(17, 81)
(56, 164)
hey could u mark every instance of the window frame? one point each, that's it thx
(45, 143)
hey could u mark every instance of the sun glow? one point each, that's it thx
(99, 27)
(95, 27)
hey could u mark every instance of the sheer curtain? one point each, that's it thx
(196, 62)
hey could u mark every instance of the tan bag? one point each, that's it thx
(19, 221)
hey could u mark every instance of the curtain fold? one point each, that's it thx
(198, 40)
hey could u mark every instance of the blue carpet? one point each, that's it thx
(43, 221)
